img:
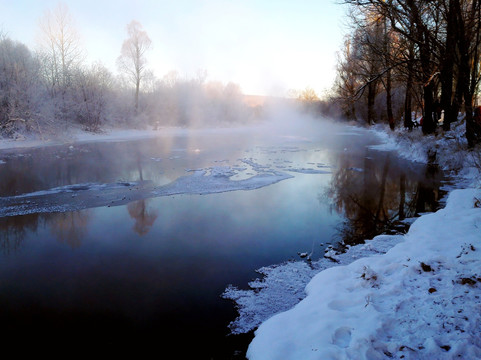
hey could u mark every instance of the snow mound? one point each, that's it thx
(420, 300)
(280, 287)
(448, 150)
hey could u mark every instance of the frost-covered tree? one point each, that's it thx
(60, 48)
(19, 86)
(132, 61)
(92, 96)
(61, 56)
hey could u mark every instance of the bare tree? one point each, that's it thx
(440, 55)
(347, 82)
(132, 61)
(60, 48)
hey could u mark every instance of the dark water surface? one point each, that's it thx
(147, 272)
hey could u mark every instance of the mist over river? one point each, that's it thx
(128, 245)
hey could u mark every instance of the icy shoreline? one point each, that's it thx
(420, 299)
(79, 136)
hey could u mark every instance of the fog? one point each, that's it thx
(52, 87)
(243, 42)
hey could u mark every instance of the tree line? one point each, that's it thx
(404, 57)
(48, 90)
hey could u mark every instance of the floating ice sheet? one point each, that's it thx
(90, 195)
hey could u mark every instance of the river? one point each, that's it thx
(128, 245)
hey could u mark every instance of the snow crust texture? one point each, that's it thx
(420, 300)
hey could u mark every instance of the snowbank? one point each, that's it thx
(420, 300)
(80, 136)
(282, 286)
(447, 149)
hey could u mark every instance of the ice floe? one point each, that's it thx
(81, 196)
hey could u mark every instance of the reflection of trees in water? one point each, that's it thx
(376, 199)
(144, 217)
(48, 168)
(427, 192)
(17, 176)
(70, 227)
(14, 229)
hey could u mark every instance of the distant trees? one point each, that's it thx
(416, 55)
(132, 61)
(53, 86)
(307, 94)
(19, 86)
(195, 102)
(307, 101)
(93, 88)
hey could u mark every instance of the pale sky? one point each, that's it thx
(265, 46)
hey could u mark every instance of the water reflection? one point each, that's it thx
(143, 216)
(45, 168)
(13, 231)
(70, 227)
(375, 193)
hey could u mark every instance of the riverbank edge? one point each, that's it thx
(449, 151)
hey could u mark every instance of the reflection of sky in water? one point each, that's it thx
(165, 261)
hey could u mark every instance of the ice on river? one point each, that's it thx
(81, 196)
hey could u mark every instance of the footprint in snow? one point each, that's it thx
(342, 337)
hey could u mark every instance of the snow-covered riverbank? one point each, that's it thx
(80, 136)
(419, 300)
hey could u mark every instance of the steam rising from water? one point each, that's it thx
(251, 156)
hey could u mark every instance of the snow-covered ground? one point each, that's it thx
(419, 299)
(79, 136)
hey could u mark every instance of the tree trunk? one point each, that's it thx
(137, 88)
(464, 72)
(428, 121)
(447, 70)
(390, 116)
(387, 53)
(408, 122)
(428, 126)
(371, 95)
(476, 14)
